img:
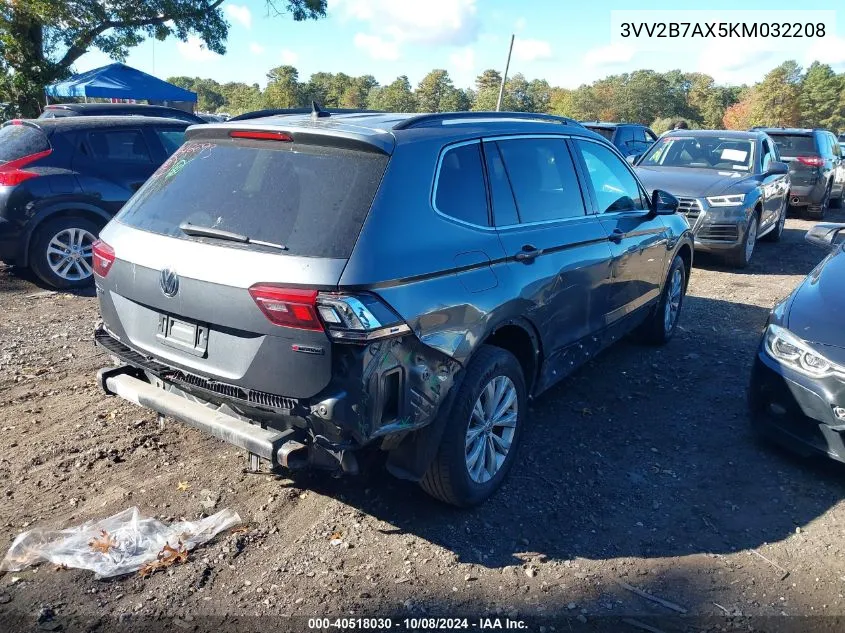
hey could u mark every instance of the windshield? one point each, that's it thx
(309, 198)
(701, 152)
(794, 144)
(605, 132)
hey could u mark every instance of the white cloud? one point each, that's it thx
(393, 23)
(531, 50)
(289, 57)
(740, 62)
(195, 50)
(610, 55)
(240, 13)
(255, 48)
(463, 59)
(830, 50)
(377, 47)
(519, 25)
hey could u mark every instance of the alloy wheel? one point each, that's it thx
(69, 254)
(752, 239)
(673, 300)
(491, 429)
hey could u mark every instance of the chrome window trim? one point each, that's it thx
(445, 150)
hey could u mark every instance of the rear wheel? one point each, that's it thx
(836, 203)
(817, 213)
(482, 435)
(61, 252)
(661, 325)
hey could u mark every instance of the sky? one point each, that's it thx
(567, 43)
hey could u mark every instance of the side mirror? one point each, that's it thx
(777, 168)
(827, 235)
(632, 159)
(664, 203)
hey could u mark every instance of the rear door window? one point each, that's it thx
(170, 139)
(460, 192)
(542, 176)
(614, 186)
(17, 141)
(119, 145)
(309, 198)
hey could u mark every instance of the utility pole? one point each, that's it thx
(504, 77)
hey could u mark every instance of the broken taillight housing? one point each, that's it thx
(102, 257)
(344, 317)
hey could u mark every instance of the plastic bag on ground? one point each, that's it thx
(120, 544)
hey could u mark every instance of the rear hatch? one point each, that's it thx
(802, 155)
(22, 145)
(214, 266)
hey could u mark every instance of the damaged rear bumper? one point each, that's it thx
(383, 392)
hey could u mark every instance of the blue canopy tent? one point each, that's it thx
(118, 81)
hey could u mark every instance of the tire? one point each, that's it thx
(777, 233)
(448, 477)
(657, 330)
(836, 203)
(817, 213)
(740, 257)
(50, 264)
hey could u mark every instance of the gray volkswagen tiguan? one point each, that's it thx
(307, 286)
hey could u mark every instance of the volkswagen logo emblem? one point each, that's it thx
(169, 282)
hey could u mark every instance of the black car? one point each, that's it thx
(816, 168)
(395, 281)
(731, 185)
(629, 138)
(57, 110)
(62, 179)
(797, 392)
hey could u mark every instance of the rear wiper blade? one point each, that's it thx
(221, 234)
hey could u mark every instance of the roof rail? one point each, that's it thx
(423, 119)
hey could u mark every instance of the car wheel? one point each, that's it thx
(60, 253)
(482, 434)
(775, 234)
(740, 257)
(662, 323)
(836, 203)
(817, 213)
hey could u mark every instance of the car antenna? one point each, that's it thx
(316, 112)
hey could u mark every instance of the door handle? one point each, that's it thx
(616, 236)
(528, 253)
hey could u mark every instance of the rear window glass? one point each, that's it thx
(120, 145)
(605, 132)
(311, 199)
(17, 141)
(460, 185)
(794, 144)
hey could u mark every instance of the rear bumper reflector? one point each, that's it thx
(266, 443)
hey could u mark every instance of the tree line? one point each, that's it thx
(787, 95)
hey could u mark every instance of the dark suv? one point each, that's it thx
(62, 179)
(816, 168)
(303, 287)
(57, 110)
(631, 139)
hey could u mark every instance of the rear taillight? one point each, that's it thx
(11, 173)
(345, 318)
(288, 307)
(257, 135)
(811, 161)
(103, 258)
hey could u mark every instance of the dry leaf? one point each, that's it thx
(241, 529)
(103, 544)
(183, 485)
(336, 536)
(167, 557)
(61, 567)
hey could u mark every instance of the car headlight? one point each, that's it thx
(789, 350)
(726, 201)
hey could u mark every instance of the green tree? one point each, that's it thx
(561, 102)
(240, 97)
(437, 93)
(283, 89)
(395, 97)
(819, 101)
(41, 39)
(775, 100)
(487, 90)
(541, 95)
(209, 95)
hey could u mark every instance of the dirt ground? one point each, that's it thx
(640, 469)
